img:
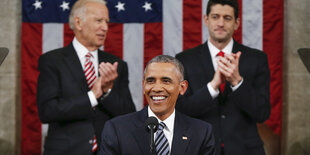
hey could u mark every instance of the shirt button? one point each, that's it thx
(90, 141)
(223, 116)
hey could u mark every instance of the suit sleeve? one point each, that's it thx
(193, 103)
(109, 141)
(53, 105)
(208, 147)
(253, 97)
(119, 101)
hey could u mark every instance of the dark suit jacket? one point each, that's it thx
(233, 115)
(63, 101)
(127, 135)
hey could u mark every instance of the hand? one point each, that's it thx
(108, 73)
(217, 80)
(229, 67)
(97, 90)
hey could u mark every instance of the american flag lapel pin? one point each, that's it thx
(184, 137)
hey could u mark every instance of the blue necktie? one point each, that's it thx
(161, 142)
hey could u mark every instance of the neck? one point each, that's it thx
(220, 44)
(163, 117)
(85, 44)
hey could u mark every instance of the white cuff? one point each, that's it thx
(106, 94)
(92, 98)
(213, 93)
(237, 86)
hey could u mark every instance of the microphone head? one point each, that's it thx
(151, 123)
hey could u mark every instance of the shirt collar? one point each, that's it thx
(227, 50)
(168, 121)
(81, 50)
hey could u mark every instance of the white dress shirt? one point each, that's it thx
(168, 130)
(213, 52)
(81, 52)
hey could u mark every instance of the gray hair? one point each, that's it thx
(168, 59)
(79, 10)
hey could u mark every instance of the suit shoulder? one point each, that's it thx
(196, 123)
(56, 53)
(252, 51)
(111, 56)
(52, 57)
(123, 119)
(189, 52)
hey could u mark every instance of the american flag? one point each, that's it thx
(140, 30)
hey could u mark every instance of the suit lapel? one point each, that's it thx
(72, 60)
(103, 57)
(141, 136)
(181, 135)
(205, 59)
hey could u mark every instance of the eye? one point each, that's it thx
(228, 18)
(214, 16)
(150, 80)
(167, 80)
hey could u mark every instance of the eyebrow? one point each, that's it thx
(149, 78)
(166, 78)
(163, 78)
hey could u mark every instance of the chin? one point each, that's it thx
(156, 108)
(221, 39)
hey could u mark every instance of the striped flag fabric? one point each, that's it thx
(138, 31)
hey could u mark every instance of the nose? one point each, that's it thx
(157, 87)
(104, 26)
(221, 22)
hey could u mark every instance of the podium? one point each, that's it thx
(3, 53)
(304, 54)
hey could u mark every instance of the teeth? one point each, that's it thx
(158, 97)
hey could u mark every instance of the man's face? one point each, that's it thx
(92, 31)
(221, 23)
(162, 86)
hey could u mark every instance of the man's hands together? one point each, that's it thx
(228, 69)
(108, 73)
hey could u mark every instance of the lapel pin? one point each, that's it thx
(184, 138)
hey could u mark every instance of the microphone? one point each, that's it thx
(151, 126)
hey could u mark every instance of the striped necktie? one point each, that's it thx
(161, 142)
(89, 71)
(90, 74)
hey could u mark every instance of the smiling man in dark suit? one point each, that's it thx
(81, 87)
(228, 83)
(178, 135)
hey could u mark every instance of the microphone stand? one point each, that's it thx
(152, 143)
(151, 125)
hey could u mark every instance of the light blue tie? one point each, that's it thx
(161, 142)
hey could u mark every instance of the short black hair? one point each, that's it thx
(233, 3)
(167, 59)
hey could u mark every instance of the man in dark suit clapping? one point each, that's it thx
(228, 83)
(81, 87)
